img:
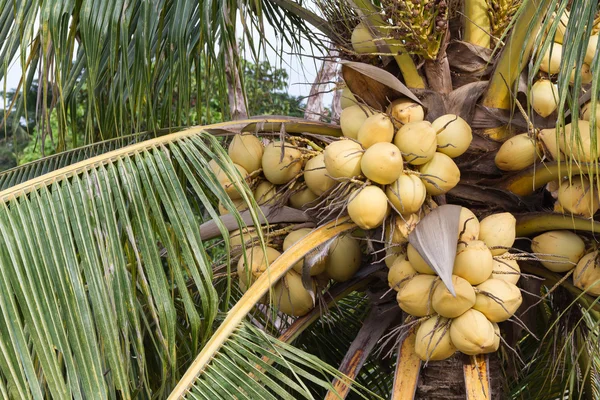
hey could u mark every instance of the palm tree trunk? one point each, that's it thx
(314, 104)
(237, 103)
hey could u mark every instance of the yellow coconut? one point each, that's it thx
(255, 262)
(576, 142)
(468, 226)
(352, 118)
(265, 193)
(432, 341)
(377, 128)
(414, 297)
(517, 153)
(407, 194)
(578, 197)
(280, 170)
(417, 141)
(382, 163)
(316, 177)
(449, 306)
(347, 99)
(342, 158)
(440, 174)
(225, 180)
(559, 251)
(290, 297)
(551, 59)
(404, 111)
(498, 300)
(453, 135)
(562, 26)
(472, 333)
(417, 261)
(248, 235)
(586, 112)
(295, 236)
(585, 72)
(473, 262)
(362, 40)
(587, 274)
(368, 207)
(393, 253)
(591, 49)
(400, 227)
(544, 98)
(303, 199)
(246, 150)
(344, 258)
(496, 345)
(549, 140)
(506, 270)
(400, 272)
(498, 232)
(239, 204)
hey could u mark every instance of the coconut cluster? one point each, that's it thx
(484, 277)
(290, 295)
(403, 158)
(563, 251)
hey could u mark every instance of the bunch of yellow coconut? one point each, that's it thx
(402, 156)
(563, 251)
(484, 277)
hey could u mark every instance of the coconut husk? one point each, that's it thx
(435, 238)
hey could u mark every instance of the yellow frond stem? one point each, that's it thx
(477, 27)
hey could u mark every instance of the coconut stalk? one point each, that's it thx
(373, 20)
(236, 315)
(476, 26)
(408, 367)
(515, 55)
(477, 379)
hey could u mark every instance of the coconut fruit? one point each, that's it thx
(498, 232)
(506, 270)
(449, 306)
(472, 333)
(585, 73)
(586, 112)
(315, 175)
(302, 199)
(362, 40)
(405, 111)
(473, 262)
(342, 158)
(417, 141)
(292, 238)
(548, 138)
(265, 192)
(239, 204)
(347, 98)
(414, 297)
(255, 262)
(277, 169)
(432, 340)
(247, 235)
(468, 226)
(368, 207)
(544, 97)
(454, 135)
(440, 174)
(382, 163)
(376, 129)
(498, 300)
(562, 26)
(400, 227)
(290, 296)
(576, 142)
(517, 153)
(559, 251)
(225, 180)
(393, 253)
(591, 49)
(551, 59)
(587, 274)
(417, 261)
(246, 150)
(496, 345)
(352, 118)
(407, 194)
(344, 258)
(578, 197)
(400, 272)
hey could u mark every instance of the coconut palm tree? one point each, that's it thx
(118, 260)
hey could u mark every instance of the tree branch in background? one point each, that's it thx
(328, 71)
(235, 93)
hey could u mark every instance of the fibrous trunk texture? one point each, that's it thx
(326, 75)
(235, 94)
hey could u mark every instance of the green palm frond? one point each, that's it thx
(98, 263)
